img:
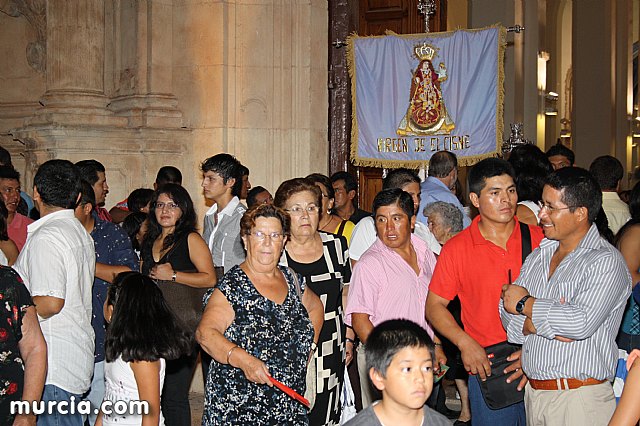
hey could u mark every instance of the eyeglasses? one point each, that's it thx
(169, 206)
(260, 236)
(552, 209)
(298, 211)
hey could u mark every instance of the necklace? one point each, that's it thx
(326, 224)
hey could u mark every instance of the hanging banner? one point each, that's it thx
(416, 94)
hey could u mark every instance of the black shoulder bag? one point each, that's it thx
(497, 393)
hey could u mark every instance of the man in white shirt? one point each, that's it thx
(222, 183)
(364, 234)
(57, 265)
(608, 172)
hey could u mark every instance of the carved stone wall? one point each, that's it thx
(137, 84)
(254, 74)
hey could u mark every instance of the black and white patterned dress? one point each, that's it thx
(278, 334)
(327, 277)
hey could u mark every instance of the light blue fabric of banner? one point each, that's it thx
(385, 67)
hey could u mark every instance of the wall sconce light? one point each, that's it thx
(550, 111)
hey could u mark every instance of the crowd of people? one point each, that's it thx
(304, 308)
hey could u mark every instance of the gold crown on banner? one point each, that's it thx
(425, 51)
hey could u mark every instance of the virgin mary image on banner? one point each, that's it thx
(427, 113)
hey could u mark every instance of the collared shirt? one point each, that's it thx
(17, 229)
(385, 287)
(223, 238)
(584, 301)
(103, 214)
(364, 235)
(113, 247)
(617, 211)
(432, 190)
(475, 269)
(59, 260)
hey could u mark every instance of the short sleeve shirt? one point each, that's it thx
(385, 287)
(59, 260)
(475, 269)
(113, 247)
(15, 300)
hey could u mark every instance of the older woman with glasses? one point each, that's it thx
(256, 327)
(323, 260)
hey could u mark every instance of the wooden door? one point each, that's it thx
(372, 17)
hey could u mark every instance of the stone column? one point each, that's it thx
(143, 77)
(75, 55)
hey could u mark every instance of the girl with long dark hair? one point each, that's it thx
(142, 334)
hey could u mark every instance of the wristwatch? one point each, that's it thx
(174, 276)
(520, 304)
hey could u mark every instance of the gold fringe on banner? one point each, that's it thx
(415, 164)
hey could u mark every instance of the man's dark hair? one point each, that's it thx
(242, 172)
(58, 183)
(607, 171)
(5, 157)
(399, 178)
(579, 189)
(227, 167)
(442, 163)
(139, 198)
(252, 194)
(89, 170)
(488, 168)
(87, 194)
(391, 196)
(532, 167)
(390, 337)
(168, 174)
(350, 182)
(560, 149)
(8, 172)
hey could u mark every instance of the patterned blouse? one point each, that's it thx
(14, 300)
(278, 334)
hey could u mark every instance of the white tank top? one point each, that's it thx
(120, 385)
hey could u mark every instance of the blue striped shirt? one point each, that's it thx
(595, 284)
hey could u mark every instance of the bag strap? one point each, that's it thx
(296, 282)
(526, 240)
(341, 227)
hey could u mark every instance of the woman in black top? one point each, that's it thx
(175, 255)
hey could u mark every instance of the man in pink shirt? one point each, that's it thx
(391, 279)
(10, 189)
